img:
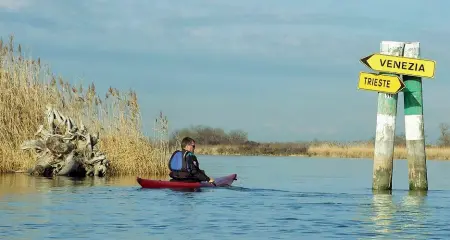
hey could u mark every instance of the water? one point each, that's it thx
(273, 198)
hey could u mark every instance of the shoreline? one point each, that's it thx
(115, 122)
(349, 152)
(319, 151)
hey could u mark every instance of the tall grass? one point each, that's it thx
(312, 149)
(366, 150)
(27, 87)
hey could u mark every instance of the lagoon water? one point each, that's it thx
(273, 198)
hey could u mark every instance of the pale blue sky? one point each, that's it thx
(188, 58)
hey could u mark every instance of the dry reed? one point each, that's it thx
(27, 87)
(361, 150)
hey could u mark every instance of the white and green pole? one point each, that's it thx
(385, 128)
(414, 125)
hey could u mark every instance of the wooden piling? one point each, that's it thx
(414, 125)
(385, 128)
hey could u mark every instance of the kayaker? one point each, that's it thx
(184, 166)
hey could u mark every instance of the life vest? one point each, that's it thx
(177, 161)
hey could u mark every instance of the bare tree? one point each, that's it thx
(444, 138)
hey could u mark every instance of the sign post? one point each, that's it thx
(394, 60)
(380, 82)
(400, 65)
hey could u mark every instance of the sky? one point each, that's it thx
(283, 70)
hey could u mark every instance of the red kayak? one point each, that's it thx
(219, 182)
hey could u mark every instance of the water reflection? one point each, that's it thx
(383, 209)
(414, 211)
(407, 217)
(19, 183)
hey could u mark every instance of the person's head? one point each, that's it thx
(188, 144)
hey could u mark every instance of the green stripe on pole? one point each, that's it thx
(413, 95)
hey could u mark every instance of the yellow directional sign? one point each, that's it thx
(400, 65)
(380, 83)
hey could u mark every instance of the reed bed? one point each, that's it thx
(254, 149)
(27, 86)
(367, 151)
(361, 150)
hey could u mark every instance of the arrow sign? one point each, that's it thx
(400, 65)
(380, 83)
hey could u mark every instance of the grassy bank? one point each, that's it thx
(27, 87)
(355, 150)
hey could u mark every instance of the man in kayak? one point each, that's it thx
(184, 166)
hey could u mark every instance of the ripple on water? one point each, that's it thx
(304, 206)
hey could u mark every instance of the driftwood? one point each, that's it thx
(64, 149)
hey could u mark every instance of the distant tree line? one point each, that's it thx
(206, 135)
(399, 140)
